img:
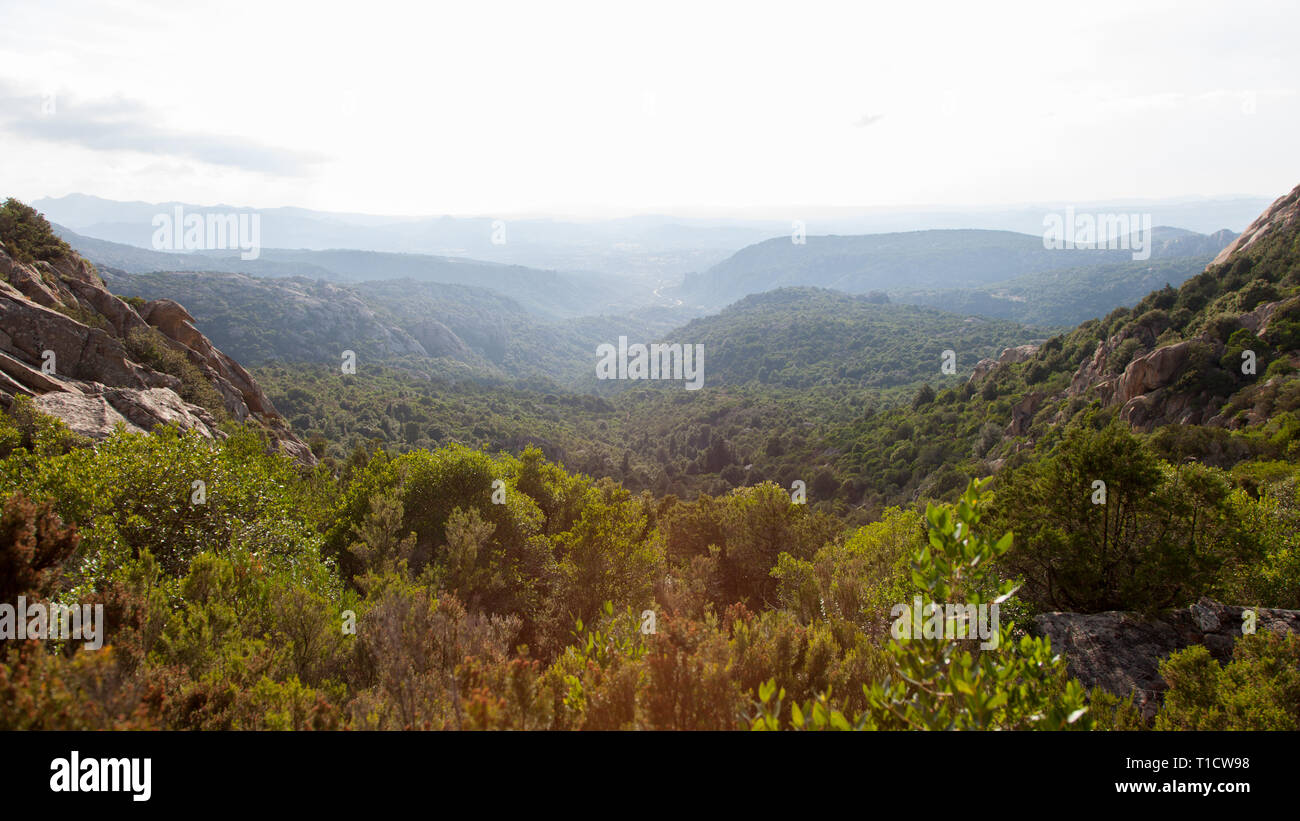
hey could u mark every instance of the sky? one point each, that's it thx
(609, 108)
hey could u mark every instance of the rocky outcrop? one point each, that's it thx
(88, 415)
(1022, 413)
(1163, 407)
(436, 339)
(63, 342)
(160, 406)
(1009, 356)
(237, 387)
(34, 334)
(1144, 390)
(1284, 211)
(1151, 371)
(1094, 376)
(1120, 652)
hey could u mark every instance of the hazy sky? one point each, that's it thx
(610, 107)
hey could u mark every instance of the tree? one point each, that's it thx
(924, 396)
(27, 235)
(1105, 525)
(382, 544)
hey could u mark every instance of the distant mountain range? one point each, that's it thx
(648, 246)
(471, 319)
(986, 262)
(831, 311)
(548, 294)
(794, 337)
(1064, 297)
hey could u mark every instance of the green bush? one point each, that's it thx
(937, 683)
(1258, 690)
(27, 235)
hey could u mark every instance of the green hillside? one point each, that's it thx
(500, 545)
(1063, 297)
(944, 260)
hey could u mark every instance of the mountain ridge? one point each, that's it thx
(549, 294)
(934, 259)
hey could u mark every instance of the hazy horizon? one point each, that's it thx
(749, 213)
(589, 110)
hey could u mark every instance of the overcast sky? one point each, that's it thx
(609, 107)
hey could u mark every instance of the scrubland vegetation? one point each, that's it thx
(468, 556)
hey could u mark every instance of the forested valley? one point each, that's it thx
(412, 545)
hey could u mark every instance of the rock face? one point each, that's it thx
(1120, 652)
(63, 342)
(1151, 371)
(160, 406)
(237, 387)
(1284, 211)
(1009, 356)
(87, 415)
(1144, 391)
(1022, 413)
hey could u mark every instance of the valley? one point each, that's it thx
(473, 448)
(390, 391)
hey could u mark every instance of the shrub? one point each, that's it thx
(27, 235)
(936, 683)
(1258, 690)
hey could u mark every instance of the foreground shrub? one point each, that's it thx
(1258, 690)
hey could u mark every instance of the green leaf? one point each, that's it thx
(1004, 544)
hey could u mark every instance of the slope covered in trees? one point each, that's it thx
(439, 584)
(1065, 297)
(547, 293)
(922, 260)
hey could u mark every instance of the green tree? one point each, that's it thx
(27, 235)
(1105, 525)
